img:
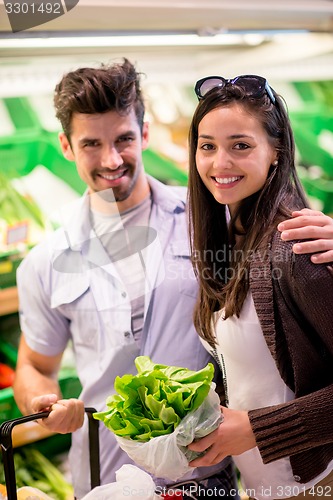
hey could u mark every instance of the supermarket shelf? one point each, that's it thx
(8, 300)
(29, 432)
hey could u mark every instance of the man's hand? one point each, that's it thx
(66, 415)
(313, 225)
(233, 437)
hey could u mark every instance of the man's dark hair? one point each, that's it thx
(114, 87)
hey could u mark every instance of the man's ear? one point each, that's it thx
(145, 135)
(66, 147)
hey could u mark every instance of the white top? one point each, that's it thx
(253, 381)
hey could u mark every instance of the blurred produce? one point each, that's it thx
(25, 493)
(7, 375)
(312, 123)
(47, 190)
(33, 469)
(21, 220)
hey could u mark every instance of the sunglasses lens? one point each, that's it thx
(209, 84)
(253, 85)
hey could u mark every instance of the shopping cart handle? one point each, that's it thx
(6, 443)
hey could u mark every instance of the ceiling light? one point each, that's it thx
(127, 41)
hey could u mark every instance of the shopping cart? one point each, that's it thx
(8, 455)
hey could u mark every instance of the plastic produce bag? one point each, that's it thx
(168, 456)
(130, 482)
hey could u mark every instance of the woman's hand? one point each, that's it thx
(314, 225)
(233, 437)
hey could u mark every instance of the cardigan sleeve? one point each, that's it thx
(306, 421)
(293, 427)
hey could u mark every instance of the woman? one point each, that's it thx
(264, 312)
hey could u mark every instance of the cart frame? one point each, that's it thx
(6, 443)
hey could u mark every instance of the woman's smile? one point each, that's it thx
(226, 182)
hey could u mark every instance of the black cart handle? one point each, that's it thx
(6, 443)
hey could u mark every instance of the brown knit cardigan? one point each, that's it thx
(294, 302)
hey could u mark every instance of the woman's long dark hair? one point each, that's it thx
(221, 266)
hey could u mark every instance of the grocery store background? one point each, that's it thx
(173, 43)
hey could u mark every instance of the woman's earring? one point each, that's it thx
(275, 163)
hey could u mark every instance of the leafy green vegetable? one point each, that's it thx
(153, 402)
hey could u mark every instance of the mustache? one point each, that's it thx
(111, 171)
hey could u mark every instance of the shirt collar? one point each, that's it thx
(170, 198)
(75, 218)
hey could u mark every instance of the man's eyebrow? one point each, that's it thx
(127, 132)
(82, 140)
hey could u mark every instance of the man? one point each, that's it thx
(116, 280)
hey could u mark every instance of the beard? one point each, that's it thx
(124, 189)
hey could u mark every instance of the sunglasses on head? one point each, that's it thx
(253, 85)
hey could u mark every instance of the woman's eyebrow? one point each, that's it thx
(233, 136)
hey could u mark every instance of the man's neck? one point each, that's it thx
(104, 201)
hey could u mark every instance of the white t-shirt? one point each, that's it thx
(253, 381)
(109, 228)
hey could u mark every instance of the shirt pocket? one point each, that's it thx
(72, 297)
(183, 269)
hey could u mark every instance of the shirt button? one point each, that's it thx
(297, 478)
(127, 334)
(123, 294)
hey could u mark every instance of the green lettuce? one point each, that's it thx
(153, 402)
